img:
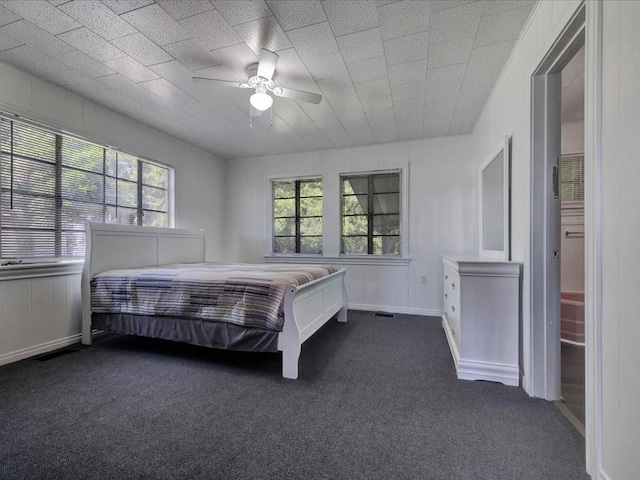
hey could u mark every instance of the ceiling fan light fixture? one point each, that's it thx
(261, 100)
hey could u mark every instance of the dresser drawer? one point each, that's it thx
(451, 285)
(452, 315)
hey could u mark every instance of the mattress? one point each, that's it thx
(242, 294)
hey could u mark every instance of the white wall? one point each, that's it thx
(621, 261)
(572, 137)
(508, 111)
(441, 214)
(41, 314)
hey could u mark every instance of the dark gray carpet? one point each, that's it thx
(377, 399)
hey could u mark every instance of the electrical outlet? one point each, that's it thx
(424, 280)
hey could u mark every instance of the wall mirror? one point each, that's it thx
(494, 204)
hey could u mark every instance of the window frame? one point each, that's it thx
(297, 198)
(59, 166)
(402, 214)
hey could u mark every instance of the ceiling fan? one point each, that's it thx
(261, 80)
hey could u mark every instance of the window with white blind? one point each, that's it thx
(572, 178)
(371, 213)
(51, 183)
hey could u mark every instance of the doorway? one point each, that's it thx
(572, 259)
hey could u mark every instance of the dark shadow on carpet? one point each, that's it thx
(377, 398)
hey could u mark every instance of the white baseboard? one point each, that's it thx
(38, 349)
(406, 310)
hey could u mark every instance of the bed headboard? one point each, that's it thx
(112, 246)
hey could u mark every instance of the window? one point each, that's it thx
(297, 216)
(371, 214)
(572, 178)
(52, 183)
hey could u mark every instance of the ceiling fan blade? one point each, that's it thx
(267, 64)
(298, 95)
(222, 83)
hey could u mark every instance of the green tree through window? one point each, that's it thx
(51, 184)
(297, 216)
(371, 214)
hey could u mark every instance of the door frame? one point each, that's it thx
(584, 28)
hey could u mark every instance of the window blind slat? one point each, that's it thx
(48, 193)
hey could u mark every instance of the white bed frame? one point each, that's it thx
(306, 307)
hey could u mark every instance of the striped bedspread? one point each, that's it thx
(243, 294)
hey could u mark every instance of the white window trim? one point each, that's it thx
(404, 213)
(288, 178)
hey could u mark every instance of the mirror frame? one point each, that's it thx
(505, 253)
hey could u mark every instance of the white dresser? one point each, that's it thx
(480, 317)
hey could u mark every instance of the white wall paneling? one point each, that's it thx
(441, 215)
(38, 315)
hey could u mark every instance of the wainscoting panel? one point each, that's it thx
(38, 315)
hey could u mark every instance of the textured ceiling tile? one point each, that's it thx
(124, 6)
(85, 64)
(238, 57)
(361, 45)
(450, 53)
(495, 54)
(407, 91)
(326, 66)
(443, 76)
(131, 69)
(409, 109)
(179, 9)
(32, 61)
(374, 89)
(242, 11)
(377, 104)
(7, 42)
(367, 70)
(438, 5)
(157, 24)
(442, 92)
(82, 83)
(437, 117)
(407, 49)
(382, 3)
(131, 89)
(142, 49)
(347, 106)
(43, 14)
(7, 16)
(291, 71)
(98, 17)
(292, 14)
(502, 26)
(336, 87)
(92, 44)
(497, 6)
(211, 29)
(264, 33)
(403, 18)
(191, 54)
(407, 72)
(313, 40)
(454, 23)
(37, 38)
(350, 17)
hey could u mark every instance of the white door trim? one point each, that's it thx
(593, 236)
(584, 28)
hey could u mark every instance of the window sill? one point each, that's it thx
(339, 260)
(40, 269)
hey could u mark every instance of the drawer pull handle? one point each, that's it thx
(446, 277)
(446, 295)
(453, 309)
(453, 286)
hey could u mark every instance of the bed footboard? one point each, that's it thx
(307, 308)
